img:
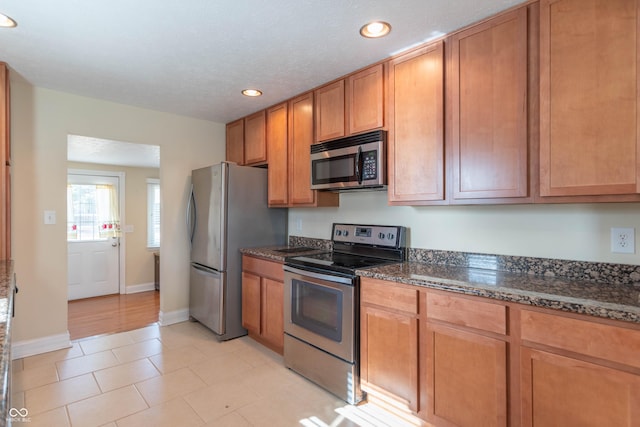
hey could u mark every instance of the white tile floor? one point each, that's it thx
(175, 376)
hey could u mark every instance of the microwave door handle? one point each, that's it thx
(359, 165)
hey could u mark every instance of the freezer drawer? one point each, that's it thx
(206, 297)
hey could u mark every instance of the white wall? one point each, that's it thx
(41, 121)
(569, 231)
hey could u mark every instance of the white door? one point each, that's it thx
(93, 230)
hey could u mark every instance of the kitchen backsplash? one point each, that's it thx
(599, 272)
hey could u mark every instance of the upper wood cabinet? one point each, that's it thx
(365, 99)
(589, 115)
(415, 155)
(330, 111)
(351, 105)
(277, 146)
(247, 140)
(235, 142)
(255, 139)
(487, 106)
(5, 161)
(289, 139)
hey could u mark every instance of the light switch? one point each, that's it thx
(49, 217)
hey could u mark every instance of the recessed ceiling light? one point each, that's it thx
(6, 22)
(251, 92)
(375, 29)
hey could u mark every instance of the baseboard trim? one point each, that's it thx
(143, 287)
(27, 348)
(171, 317)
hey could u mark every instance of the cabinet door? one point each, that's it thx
(235, 142)
(277, 143)
(488, 105)
(562, 391)
(466, 378)
(416, 127)
(251, 301)
(255, 139)
(330, 111)
(365, 95)
(300, 140)
(389, 353)
(273, 312)
(589, 97)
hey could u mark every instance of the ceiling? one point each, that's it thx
(193, 57)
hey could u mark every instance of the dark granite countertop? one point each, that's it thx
(6, 311)
(279, 253)
(610, 291)
(612, 301)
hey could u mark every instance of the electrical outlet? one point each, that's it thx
(623, 240)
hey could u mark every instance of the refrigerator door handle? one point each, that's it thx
(191, 215)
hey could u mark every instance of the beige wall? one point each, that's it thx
(139, 263)
(570, 231)
(41, 121)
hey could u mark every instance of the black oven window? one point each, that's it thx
(317, 308)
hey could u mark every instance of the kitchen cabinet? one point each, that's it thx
(389, 342)
(5, 161)
(235, 142)
(351, 105)
(589, 112)
(577, 372)
(487, 106)
(415, 109)
(466, 361)
(255, 142)
(289, 138)
(263, 301)
(277, 146)
(246, 140)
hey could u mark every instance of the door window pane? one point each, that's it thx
(92, 212)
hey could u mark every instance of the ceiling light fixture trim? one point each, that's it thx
(251, 92)
(7, 22)
(375, 29)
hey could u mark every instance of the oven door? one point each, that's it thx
(320, 309)
(357, 166)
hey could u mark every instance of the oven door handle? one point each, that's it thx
(319, 276)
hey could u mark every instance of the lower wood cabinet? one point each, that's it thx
(263, 301)
(466, 381)
(564, 391)
(389, 342)
(458, 360)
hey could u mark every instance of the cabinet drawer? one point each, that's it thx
(262, 267)
(389, 295)
(582, 336)
(467, 312)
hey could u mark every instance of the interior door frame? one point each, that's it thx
(121, 197)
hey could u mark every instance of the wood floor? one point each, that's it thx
(112, 313)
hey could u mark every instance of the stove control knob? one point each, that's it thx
(338, 232)
(390, 236)
(345, 233)
(381, 236)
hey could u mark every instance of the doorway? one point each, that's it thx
(140, 163)
(94, 212)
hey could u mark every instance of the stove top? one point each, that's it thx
(356, 247)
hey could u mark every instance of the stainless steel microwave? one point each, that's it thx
(354, 162)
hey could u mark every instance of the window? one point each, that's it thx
(153, 213)
(92, 210)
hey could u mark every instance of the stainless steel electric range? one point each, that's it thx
(321, 303)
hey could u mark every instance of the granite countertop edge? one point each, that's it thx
(6, 312)
(579, 297)
(274, 253)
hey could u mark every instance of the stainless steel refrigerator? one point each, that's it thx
(227, 211)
